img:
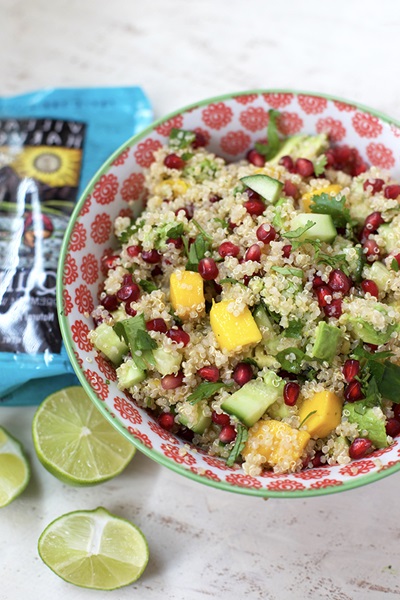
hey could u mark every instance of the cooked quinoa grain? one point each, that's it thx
(221, 321)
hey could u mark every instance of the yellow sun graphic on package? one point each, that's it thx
(55, 166)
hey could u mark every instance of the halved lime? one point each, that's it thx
(75, 442)
(14, 468)
(94, 549)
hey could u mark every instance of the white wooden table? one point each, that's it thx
(206, 543)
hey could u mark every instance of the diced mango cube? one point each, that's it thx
(277, 442)
(331, 190)
(233, 331)
(178, 186)
(186, 293)
(321, 413)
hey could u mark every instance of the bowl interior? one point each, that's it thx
(231, 124)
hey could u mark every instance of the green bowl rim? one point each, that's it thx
(66, 333)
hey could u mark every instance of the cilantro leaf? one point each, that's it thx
(180, 138)
(176, 231)
(134, 332)
(231, 280)
(148, 286)
(196, 251)
(320, 164)
(389, 384)
(296, 233)
(206, 235)
(224, 224)
(134, 227)
(338, 261)
(205, 390)
(271, 148)
(290, 271)
(294, 330)
(240, 441)
(335, 207)
(394, 265)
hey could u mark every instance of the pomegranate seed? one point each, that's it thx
(316, 461)
(220, 418)
(177, 242)
(129, 293)
(360, 448)
(156, 271)
(364, 235)
(227, 434)
(166, 421)
(291, 393)
(286, 250)
(255, 158)
(130, 310)
(254, 207)
(185, 209)
(252, 195)
(109, 262)
(353, 391)
(133, 251)
(127, 279)
(173, 161)
(371, 347)
(369, 287)
(330, 157)
(253, 253)
(375, 184)
(392, 191)
(242, 373)
(334, 309)
(396, 411)
(304, 167)
(317, 282)
(371, 250)
(339, 282)
(179, 336)
(214, 198)
(393, 427)
(199, 141)
(373, 221)
(323, 293)
(287, 162)
(291, 189)
(151, 256)
(157, 325)
(266, 233)
(351, 369)
(186, 433)
(228, 249)
(208, 269)
(209, 373)
(110, 302)
(171, 382)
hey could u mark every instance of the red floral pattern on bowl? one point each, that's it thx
(230, 126)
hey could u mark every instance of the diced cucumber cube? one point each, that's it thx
(194, 417)
(268, 188)
(129, 374)
(107, 341)
(323, 228)
(389, 236)
(166, 362)
(378, 273)
(250, 402)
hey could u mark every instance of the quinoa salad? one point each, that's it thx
(254, 306)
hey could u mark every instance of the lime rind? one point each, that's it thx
(74, 441)
(14, 468)
(94, 549)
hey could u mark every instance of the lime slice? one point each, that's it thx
(94, 549)
(75, 442)
(14, 468)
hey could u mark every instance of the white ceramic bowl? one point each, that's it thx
(231, 125)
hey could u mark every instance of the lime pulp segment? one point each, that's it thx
(94, 549)
(75, 442)
(14, 468)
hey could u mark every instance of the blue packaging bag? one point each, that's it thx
(51, 143)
